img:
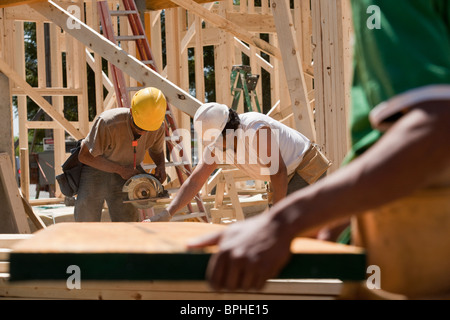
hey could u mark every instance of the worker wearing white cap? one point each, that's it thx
(263, 148)
(113, 151)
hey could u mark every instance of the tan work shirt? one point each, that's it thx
(111, 137)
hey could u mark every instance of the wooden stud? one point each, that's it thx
(293, 68)
(13, 197)
(24, 172)
(232, 192)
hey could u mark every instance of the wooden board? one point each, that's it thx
(157, 251)
(165, 4)
(8, 3)
(168, 290)
(12, 214)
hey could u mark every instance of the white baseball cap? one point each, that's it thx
(209, 122)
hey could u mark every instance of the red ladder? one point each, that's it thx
(181, 163)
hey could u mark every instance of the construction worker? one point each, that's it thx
(263, 148)
(113, 151)
(396, 184)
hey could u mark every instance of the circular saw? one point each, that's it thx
(144, 190)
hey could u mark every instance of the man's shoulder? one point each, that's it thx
(115, 115)
(250, 119)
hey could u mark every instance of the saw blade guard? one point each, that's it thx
(143, 187)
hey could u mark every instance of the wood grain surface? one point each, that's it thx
(157, 251)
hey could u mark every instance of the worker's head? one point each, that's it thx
(148, 109)
(213, 121)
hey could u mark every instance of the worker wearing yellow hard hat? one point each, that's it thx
(148, 108)
(113, 151)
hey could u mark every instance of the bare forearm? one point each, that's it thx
(99, 162)
(158, 158)
(103, 164)
(410, 154)
(185, 195)
(191, 187)
(280, 185)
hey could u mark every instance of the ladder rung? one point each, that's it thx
(180, 217)
(123, 12)
(173, 138)
(148, 62)
(134, 88)
(130, 38)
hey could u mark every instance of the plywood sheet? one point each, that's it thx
(157, 251)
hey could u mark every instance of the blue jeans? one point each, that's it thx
(96, 187)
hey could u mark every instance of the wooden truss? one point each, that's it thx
(307, 57)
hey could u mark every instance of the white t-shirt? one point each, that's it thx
(292, 144)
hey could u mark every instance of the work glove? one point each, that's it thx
(163, 216)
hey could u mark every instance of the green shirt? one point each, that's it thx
(410, 50)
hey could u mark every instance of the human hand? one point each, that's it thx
(160, 173)
(127, 172)
(163, 216)
(249, 253)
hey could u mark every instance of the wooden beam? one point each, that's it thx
(10, 3)
(293, 68)
(232, 192)
(332, 30)
(229, 26)
(63, 92)
(52, 112)
(192, 30)
(23, 13)
(16, 212)
(8, 240)
(37, 221)
(253, 22)
(121, 59)
(165, 4)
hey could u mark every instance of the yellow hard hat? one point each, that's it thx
(148, 108)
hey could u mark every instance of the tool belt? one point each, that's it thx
(69, 180)
(313, 165)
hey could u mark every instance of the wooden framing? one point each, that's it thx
(13, 213)
(293, 69)
(332, 29)
(320, 92)
(7, 3)
(312, 97)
